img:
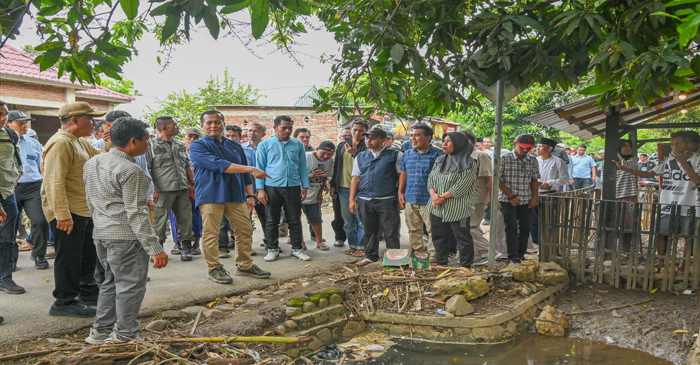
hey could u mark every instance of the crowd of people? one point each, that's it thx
(105, 193)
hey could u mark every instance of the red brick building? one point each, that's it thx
(323, 126)
(40, 94)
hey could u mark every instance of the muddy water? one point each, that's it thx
(531, 349)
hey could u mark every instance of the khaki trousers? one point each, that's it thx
(238, 215)
(416, 216)
(481, 244)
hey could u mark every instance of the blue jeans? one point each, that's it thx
(7, 237)
(582, 182)
(354, 230)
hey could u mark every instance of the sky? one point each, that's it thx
(277, 76)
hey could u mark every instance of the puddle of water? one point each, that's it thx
(530, 349)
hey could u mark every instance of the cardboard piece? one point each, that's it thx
(420, 260)
(397, 257)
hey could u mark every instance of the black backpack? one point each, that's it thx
(14, 139)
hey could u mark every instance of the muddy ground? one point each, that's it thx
(646, 327)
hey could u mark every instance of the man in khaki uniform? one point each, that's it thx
(65, 207)
(171, 170)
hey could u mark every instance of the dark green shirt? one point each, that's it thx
(168, 163)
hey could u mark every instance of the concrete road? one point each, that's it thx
(178, 285)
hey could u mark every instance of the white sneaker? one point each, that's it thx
(115, 338)
(97, 337)
(272, 255)
(482, 262)
(502, 257)
(301, 255)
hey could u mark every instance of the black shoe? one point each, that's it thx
(254, 271)
(40, 262)
(148, 278)
(339, 243)
(89, 301)
(75, 310)
(516, 261)
(253, 253)
(2, 319)
(10, 287)
(14, 266)
(186, 248)
(522, 258)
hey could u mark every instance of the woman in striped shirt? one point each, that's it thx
(451, 187)
(626, 188)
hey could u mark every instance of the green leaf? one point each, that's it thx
(172, 22)
(50, 58)
(211, 20)
(194, 7)
(688, 30)
(161, 10)
(260, 17)
(228, 9)
(397, 52)
(130, 7)
(298, 6)
(680, 2)
(597, 89)
(695, 65)
(599, 57)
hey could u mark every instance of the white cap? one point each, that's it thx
(561, 145)
(30, 133)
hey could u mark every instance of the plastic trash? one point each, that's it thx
(254, 354)
(445, 313)
(375, 348)
(687, 292)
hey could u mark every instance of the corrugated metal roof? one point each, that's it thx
(586, 120)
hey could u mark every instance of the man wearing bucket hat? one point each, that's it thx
(28, 188)
(65, 207)
(518, 194)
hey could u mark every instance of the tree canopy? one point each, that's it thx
(186, 107)
(419, 57)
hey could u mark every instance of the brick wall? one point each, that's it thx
(324, 126)
(32, 91)
(45, 127)
(99, 105)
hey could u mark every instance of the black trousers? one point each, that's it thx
(517, 220)
(28, 197)
(449, 234)
(338, 221)
(374, 211)
(289, 199)
(534, 225)
(223, 234)
(74, 265)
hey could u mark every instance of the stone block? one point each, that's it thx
(236, 301)
(335, 299)
(290, 324)
(172, 314)
(157, 325)
(426, 332)
(470, 287)
(315, 344)
(293, 311)
(522, 273)
(323, 303)
(552, 277)
(458, 306)
(213, 313)
(256, 301)
(193, 310)
(282, 329)
(552, 322)
(324, 335)
(321, 317)
(297, 301)
(352, 329)
(250, 296)
(488, 334)
(308, 307)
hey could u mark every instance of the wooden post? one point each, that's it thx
(633, 141)
(612, 138)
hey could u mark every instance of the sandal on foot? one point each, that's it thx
(359, 253)
(364, 262)
(26, 247)
(196, 251)
(350, 251)
(176, 250)
(323, 247)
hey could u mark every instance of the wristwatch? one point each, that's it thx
(250, 196)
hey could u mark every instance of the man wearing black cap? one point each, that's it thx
(375, 178)
(554, 176)
(28, 188)
(518, 194)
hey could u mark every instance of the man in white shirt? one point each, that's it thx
(554, 176)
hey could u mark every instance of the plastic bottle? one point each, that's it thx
(445, 313)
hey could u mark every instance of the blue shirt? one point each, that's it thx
(30, 153)
(582, 166)
(250, 156)
(406, 146)
(418, 166)
(210, 158)
(284, 161)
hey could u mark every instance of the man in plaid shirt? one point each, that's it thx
(518, 188)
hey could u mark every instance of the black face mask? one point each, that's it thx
(622, 144)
